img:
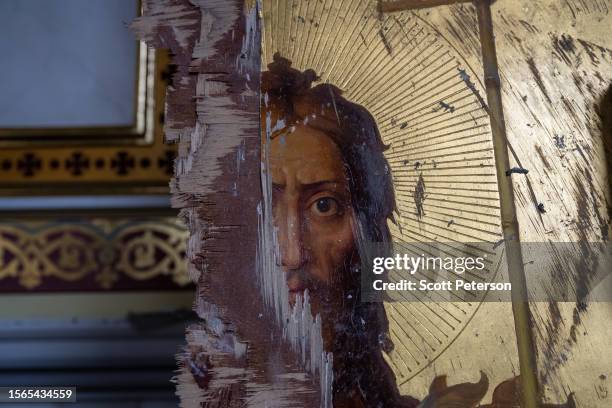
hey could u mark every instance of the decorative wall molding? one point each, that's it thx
(93, 254)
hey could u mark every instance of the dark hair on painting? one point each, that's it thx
(290, 96)
(289, 99)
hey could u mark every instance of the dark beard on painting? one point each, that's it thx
(361, 375)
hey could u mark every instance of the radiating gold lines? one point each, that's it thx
(344, 48)
(410, 83)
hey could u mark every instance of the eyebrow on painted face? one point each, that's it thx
(308, 186)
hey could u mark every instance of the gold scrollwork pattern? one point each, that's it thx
(98, 253)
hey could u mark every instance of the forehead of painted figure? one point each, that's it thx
(312, 213)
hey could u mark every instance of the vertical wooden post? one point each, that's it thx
(509, 222)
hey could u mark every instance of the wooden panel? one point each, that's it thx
(427, 100)
(419, 74)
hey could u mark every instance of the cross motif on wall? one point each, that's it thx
(29, 164)
(77, 163)
(123, 162)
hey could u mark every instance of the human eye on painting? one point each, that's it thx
(332, 186)
(324, 129)
(320, 151)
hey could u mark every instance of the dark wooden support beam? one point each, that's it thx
(401, 5)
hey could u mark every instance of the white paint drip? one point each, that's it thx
(197, 171)
(300, 329)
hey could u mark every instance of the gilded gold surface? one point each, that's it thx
(555, 60)
(556, 65)
(429, 104)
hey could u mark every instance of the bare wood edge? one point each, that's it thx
(213, 113)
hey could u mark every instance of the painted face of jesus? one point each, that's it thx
(314, 217)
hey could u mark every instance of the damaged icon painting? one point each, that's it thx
(392, 203)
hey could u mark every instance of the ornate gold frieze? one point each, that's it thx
(93, 254)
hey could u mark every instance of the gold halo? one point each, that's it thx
(427, 104)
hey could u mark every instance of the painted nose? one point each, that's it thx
(290, 236)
